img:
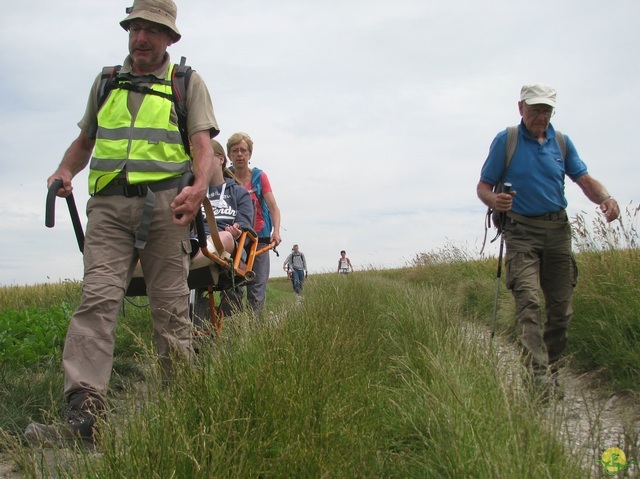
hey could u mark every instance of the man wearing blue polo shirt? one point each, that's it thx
(537, 232)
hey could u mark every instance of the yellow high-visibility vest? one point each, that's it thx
(148, 148)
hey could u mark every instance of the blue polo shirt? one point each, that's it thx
(536, 171)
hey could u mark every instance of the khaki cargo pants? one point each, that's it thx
(540, 258)
(109, 260)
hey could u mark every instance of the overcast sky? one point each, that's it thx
(371, 118)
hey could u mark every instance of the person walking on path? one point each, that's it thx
(267, 220)
(344, 263)
(137, 156)
(537, 231)
(296, 265)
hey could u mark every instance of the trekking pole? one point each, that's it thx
(505, 189)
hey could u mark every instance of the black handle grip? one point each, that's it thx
(50, 206)
(186, 180)
(202, 234)
(50, 213)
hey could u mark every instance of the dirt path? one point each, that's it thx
(589, 419)
(8, 470)
(594, 420)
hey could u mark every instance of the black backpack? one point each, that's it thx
(112, 78)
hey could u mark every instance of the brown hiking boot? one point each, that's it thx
(546, 387)
(79, 424)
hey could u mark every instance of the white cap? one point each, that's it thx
(538, 93)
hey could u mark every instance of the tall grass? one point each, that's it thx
(31, 383)
(40, 296)
(606, 324)
(365, 378)
(377, 374)
(604, 334)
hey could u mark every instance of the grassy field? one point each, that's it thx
(377, 374)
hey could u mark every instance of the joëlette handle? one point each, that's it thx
(50, 216)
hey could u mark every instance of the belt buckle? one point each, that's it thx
(131, 191)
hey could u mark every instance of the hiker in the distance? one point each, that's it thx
(344, 263)
(137, 156)
(537, 231)
(296, 265)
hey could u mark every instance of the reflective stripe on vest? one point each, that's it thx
(149, 147)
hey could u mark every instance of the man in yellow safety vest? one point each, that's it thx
(133, 146)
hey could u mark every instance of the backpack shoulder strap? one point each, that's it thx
(562, 143)
(180, 83)
(512, 144)
(106, 82)
(510, 150)
(180, 77)
(255, 177)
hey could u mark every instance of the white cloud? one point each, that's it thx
(372, 119)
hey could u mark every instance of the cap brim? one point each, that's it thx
(539, 101)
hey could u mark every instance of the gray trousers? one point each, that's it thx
(256, 290)
(109, 261)
(541, 259)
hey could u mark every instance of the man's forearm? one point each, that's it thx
(204, 162)
(593, 189)
(77, 156)
(486, 195)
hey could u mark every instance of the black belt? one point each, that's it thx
(115, 188)
(556, 216)
(264, 240)
(555, 220)
(119, 188)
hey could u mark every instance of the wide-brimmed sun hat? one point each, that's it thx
(163, 12)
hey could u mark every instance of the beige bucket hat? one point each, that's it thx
(163, 12)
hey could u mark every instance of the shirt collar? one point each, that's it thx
(161, 72)
(550, 132)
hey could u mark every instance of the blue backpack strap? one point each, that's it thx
(256, 182)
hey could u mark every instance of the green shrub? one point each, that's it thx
(32, 335)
